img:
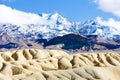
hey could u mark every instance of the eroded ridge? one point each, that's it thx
(33, 60)
(81, 73)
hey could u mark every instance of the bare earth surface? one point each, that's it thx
(34, 64)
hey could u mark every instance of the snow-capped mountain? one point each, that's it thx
(56, 25)
(47, 26)
(93, 27)
(30, 25)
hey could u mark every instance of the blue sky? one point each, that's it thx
(73, 10)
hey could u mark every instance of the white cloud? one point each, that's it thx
(111, 6)
(13, 16)
(110, 22)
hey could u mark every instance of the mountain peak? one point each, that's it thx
(29, 25)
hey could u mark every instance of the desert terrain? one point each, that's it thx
(36, 64)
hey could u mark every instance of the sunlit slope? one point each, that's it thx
(34, 64)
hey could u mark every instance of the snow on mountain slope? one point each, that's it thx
(93, 27)
(29, 25)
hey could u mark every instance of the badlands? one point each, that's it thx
(35, 64)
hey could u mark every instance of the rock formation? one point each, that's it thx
(34, 64)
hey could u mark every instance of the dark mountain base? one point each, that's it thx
(69, 42)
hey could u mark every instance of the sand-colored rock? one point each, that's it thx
(34, 64)
(81, 73)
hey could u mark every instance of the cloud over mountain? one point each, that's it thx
(13, 16)
(109, 6)
(109, 22)
(9, 15)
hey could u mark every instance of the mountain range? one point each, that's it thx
(57, 32)
(54, 25)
